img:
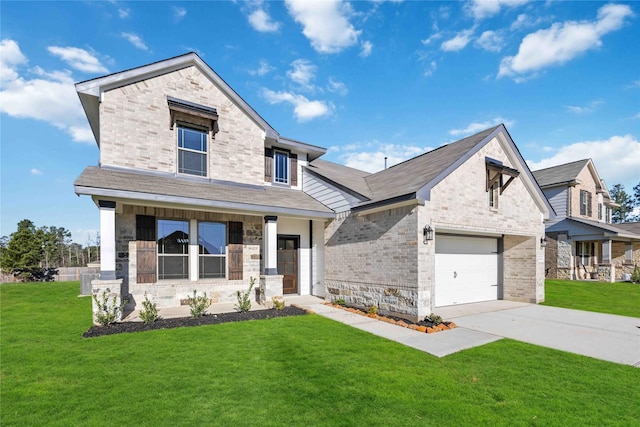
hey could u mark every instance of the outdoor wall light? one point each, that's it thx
(427, 233)
(543, 242)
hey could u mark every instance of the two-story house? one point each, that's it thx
(581, 241)
(197, 191)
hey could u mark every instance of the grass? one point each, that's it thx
(304, 370)
(613, 298)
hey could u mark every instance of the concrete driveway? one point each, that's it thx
(601, 336)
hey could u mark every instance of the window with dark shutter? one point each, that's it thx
(294, 169)
(146, 261)
(589, 203)
(235, 250)
(583, 202)
(268, 164)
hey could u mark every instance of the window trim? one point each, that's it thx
(276, 152)
(226, 244)
(160, 255)
(193, 127)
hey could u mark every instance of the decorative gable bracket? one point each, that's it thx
(193, 109)
(495, 171)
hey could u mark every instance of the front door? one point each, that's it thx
(288, 262)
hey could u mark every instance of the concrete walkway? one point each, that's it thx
(601, 336)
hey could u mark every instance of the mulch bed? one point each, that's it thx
(209, 319)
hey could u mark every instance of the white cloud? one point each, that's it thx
(370, 156)
(135, 40)
(35, 171)
(491, 41)
(325, 23)
(523, 20)
(563, 42)
(336, 86)
(261, 21)
(367, 47)
(617, 159)
(481, 9)
(49, 96)
(303, 72)
(428, 72)
(123, 12)
(304, 109)
(10, 58)
(79, 59)
(589, 108)
(634, 84)
(431, 38)
(476, 127)
(459, 42)
(179, 12)
(263, 69)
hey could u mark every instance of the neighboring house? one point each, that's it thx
(197, 191)
(581, 241)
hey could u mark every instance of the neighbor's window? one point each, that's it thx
(608, 213)
(585, 203)
(584, 253)
(600, 211)
(493, 196)
(281, 166)
(212, 248)
(192, 151)
(173, 249)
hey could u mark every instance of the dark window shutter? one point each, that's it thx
(146, 228)
(268, 164)
(235, 250)
(589, 208)
(294, 169)
(146, 261)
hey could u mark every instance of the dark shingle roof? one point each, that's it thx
(559, 174)
(345, 176)
(633, 227)
(95, 180)
(405, 178)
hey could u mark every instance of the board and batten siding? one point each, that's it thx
(327, 194)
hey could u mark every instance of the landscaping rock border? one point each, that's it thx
(421, 326)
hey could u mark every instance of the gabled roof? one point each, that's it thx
(561, 174)
(90, 93)
(608, 230)
(632, 227)
(414, 178)
(125, 184)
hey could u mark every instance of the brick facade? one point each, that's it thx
(135, 128)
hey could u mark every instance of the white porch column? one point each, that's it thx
(606, 252)
(193, 250)
(270, 245)
(107, 239)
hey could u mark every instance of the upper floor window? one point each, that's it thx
(600, 211)
(192, 151)
(585, 203)
(281, 167)
(494, 190)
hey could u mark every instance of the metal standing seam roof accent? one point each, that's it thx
(350, 178)
(128, 184)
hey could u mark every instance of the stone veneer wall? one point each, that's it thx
(168, 293)
(619, 262)
(135, 128)
(558, 257)
(373, 260)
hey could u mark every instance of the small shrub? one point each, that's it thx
(372, 309)
(635, 276)
(198, 304)
(149, 312)
(278, 303)
(433, 318)
(108, 312)
(340, 301)
(244, 299)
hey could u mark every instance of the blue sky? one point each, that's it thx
(365, 79)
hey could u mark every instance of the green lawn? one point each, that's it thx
(304, 370)
(613, 298)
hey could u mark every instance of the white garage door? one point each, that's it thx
(466, 269)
